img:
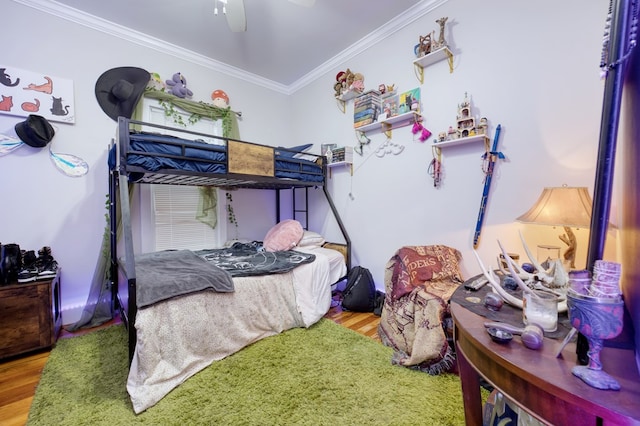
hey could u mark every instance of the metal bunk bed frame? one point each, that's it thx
(119, 185)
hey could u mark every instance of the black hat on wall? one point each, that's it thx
(119, 90)
(35, 131)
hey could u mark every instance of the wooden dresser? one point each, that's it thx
(30, 317)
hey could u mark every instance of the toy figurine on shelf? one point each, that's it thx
(441, 41)
(466, 123)
(427, 43)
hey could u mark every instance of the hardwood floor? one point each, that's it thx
(19, 376)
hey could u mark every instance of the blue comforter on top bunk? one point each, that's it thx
(154, 152)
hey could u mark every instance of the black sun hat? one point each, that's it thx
(35, 131)
(119, 90)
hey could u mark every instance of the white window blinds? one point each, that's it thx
(176, 226)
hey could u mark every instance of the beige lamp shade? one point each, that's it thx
(561, 206)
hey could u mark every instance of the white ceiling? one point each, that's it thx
(284, 42)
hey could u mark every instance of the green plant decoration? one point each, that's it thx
(231, 215)
(171, 112)
(197, 110)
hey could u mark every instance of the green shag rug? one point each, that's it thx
(324, 375)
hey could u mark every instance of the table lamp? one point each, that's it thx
(566, 206)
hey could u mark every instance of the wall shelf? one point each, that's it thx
(436, 56)
(345, 97)
(388, 124)
(462, 141)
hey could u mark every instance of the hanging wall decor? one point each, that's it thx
(25, 92)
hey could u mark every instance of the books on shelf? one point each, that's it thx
(342, 154)
(366, 108)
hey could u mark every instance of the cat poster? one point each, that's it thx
(25, 92)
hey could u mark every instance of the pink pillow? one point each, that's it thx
(283, 236)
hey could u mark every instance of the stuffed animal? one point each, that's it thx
(220, 98)
(155, 82)
(357, 84)
(178, 86)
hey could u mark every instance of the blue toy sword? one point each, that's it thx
(491, 157)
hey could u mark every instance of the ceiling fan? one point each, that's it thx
(237, 19)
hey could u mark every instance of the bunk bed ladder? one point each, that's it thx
(334, 210)
(303, 211)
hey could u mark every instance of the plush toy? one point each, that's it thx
(220, 98)
(155, 82)
(357, 84)
(178, 86)
(340, 85)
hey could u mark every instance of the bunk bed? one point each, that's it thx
(161, 325)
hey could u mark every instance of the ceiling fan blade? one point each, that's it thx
(306, 3)
(236, 17)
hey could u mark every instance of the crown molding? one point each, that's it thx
(65, 12)
(389, 28)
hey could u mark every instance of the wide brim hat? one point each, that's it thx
(35, 131)
(118, 90)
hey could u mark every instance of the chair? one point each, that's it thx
(415, 320)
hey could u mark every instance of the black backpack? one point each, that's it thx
(360, 293)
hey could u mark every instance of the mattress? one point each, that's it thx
(154, 152)
(179, 337)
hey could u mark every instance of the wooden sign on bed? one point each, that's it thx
(250, 159)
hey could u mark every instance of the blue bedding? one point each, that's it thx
(154, 152)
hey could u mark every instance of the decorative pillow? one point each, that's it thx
(311, 239)
(283, 236)
(290, 151)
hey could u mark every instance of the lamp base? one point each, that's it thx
(569, 238)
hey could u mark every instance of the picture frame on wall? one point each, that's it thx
(24, 92)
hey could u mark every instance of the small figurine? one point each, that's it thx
(441, 42)
(424, 47)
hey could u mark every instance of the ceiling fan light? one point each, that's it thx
(236, 17)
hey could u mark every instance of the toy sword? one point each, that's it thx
(491, 157)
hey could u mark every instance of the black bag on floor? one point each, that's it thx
(360, 293)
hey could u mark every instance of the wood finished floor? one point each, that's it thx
(19, 376)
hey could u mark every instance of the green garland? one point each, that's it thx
(197, 109)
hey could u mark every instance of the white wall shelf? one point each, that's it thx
(388, 124)
(462, 141)
(436, 56)
(345, 97)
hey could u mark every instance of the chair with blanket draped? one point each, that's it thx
(416, 321)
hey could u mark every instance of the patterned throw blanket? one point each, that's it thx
(248, 259)
(419, 281)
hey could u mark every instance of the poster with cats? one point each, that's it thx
(25, 92)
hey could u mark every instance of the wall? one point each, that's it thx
(532, 67)
(43, 207)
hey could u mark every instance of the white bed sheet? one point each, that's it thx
(178, 338)
(312, 294)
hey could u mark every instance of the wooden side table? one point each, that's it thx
(30, 316)
(540, 383)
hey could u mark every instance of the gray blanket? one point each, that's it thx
(248, 259)
(172, 273)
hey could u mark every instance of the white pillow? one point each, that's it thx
(311, 239)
